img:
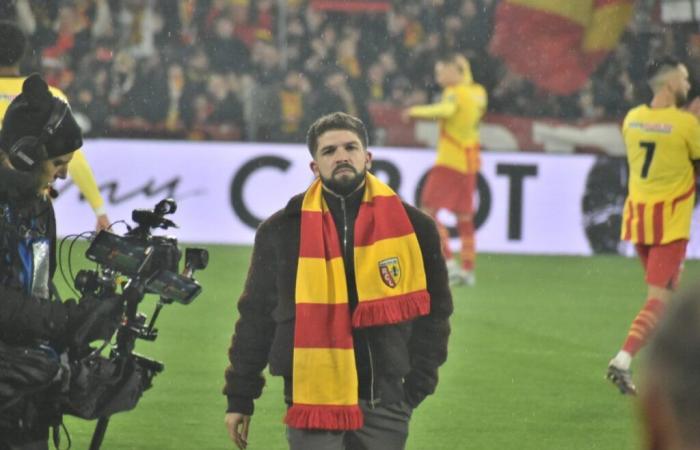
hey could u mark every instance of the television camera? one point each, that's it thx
(132, 266)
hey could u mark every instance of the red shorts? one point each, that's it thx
(446, 188)
(663, 263)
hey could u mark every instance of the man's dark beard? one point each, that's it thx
(681, 99)
(345, 185)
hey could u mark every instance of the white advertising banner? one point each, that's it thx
(528, 203)
(680, 11)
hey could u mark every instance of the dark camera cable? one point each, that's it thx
(57, 436)
(74, 237)
(60, 265)
(120, 221)
(70, 252)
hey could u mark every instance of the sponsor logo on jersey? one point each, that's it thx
(664, 128)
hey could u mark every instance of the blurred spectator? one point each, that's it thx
(293, 101)
(693, 60)
(347, 57)
(476, 26)
(150, 91)
(178, 99)
(226, 52)
(72, 33)
(334, 95)
(512, 94)
(225, 112)
(123, 80)
(388, 62)
(377, 82)
(155, 61)
(138, 23)
(587, 104)
(90, 104)
(266, 62)
(265, 107)
(197, 68)
(297, 47)
(400, 91)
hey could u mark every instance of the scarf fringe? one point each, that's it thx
(323, 417)
(392, 310)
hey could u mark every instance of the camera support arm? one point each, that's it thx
(127, 334)
(129, 331)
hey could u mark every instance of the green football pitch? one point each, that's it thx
(528, 351)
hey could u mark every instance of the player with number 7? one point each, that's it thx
(663, 151)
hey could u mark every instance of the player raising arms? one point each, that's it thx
(452, 181)
(663, 145)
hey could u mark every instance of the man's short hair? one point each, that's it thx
(674, 360)
(13, 43)
(660, 66)
(451, 57)
(335, 121)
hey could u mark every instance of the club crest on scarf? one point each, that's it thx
(390, 271)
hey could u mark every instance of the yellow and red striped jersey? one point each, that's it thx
(459, 112)
(661, 144)
(79, 169)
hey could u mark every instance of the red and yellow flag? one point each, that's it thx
(558, 44)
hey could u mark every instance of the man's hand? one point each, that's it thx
(237, 425)
(103, 222)
(406, 115)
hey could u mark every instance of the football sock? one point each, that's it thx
(622, 360)
(643, 325)
(466, 235)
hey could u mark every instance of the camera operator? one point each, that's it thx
(37, 141)
(12, 50)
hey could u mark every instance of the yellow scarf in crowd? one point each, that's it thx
(391, 288)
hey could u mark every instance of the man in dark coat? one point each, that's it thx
(395, 345)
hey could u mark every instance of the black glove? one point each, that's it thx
(94, 318)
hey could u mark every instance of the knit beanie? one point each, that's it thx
(28, 115)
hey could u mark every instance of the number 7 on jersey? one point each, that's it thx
(649, 147)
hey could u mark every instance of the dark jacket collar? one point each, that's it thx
(352, 201)
(293, 207)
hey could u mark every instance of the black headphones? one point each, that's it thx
(28, 152)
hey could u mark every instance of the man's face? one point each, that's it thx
(447, 74)
(341, 161)
(52, 169)
(680, 86)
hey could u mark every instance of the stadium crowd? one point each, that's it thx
(262, 70)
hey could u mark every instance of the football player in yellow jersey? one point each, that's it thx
(451, 182)
(663, 152)
(11, 52)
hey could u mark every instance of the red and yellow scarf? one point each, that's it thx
(391, 288)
